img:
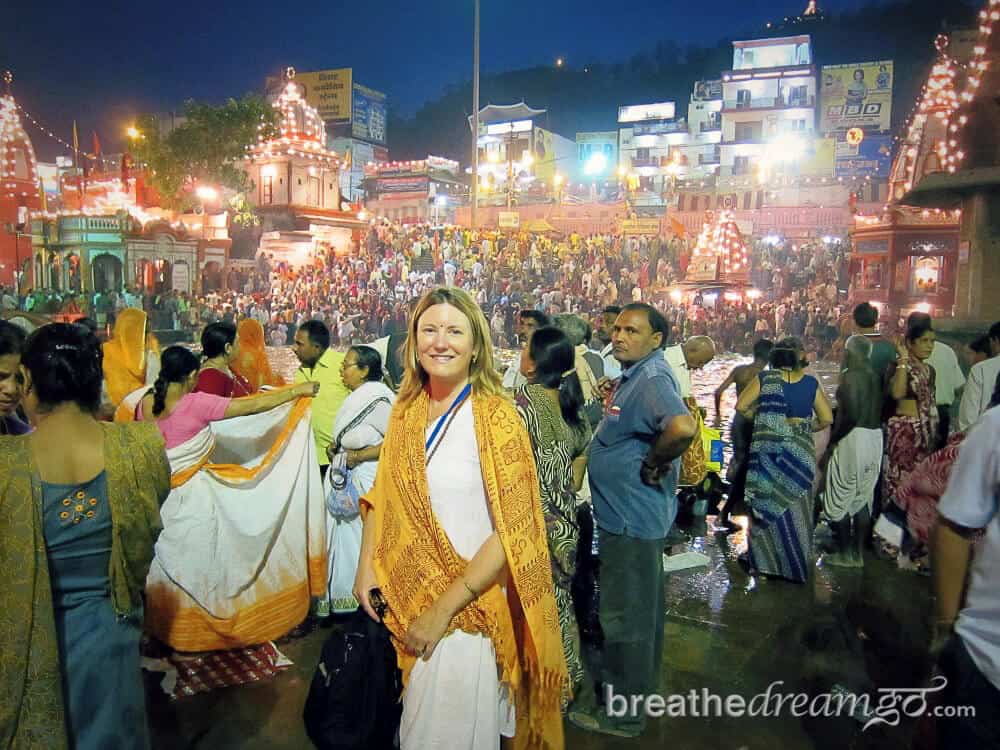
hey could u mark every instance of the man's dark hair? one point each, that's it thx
(318, 333)
(762, 349)
(981, 345)
(865, 315)
(11, 339)
(539, 317)
(611, 310)
(995, 331)
(656, 320)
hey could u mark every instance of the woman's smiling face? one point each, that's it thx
(445, 343)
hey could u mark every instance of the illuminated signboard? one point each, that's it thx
(502, 128)
(643, 112)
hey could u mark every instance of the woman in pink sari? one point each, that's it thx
(912, 427)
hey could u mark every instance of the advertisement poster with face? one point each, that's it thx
(858, 95)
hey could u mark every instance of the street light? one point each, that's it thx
(133, 133)
(206, 193)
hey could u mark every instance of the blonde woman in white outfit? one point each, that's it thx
(455, 539)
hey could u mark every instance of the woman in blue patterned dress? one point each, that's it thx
(782, 463)
(550, 406)
(79, 506)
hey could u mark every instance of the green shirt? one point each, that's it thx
(326, 404)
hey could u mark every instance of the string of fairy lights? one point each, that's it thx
(302, 131)
(46, 131)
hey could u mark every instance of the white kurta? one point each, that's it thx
(455, 700)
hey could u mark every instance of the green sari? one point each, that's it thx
(138, 475)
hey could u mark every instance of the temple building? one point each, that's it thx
(297, 185)
(907, 257)
(19, 191)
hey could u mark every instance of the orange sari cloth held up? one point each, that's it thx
(415, 561)
(252, 361)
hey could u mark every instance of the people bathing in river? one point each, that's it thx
(741, 429)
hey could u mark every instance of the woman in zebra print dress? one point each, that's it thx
(550, 406)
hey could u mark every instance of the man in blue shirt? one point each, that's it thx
(633, 482)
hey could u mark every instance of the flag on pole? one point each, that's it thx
(677, 227)
(76, 145)
(42, 196)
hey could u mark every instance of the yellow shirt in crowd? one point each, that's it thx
(326, 404)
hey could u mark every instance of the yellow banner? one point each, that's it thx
(329, 91)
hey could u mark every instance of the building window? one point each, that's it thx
(746, 200)
(743, 99)
(267, 189)
(798, 96)
(741, 165)
(745, 131)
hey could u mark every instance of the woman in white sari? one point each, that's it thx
(358, 431)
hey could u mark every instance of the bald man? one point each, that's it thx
(693, 354)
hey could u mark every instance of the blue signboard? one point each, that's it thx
(369, 122)
(870, 158)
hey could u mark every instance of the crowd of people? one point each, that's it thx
(797, 288)
(470, 536)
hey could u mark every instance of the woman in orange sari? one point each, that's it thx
(251, 363)
(128, 365)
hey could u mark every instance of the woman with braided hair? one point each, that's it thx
(181, 412)
(238, 559)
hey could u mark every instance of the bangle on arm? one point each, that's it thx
(475, 594)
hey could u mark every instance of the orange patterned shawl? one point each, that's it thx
(415, 562)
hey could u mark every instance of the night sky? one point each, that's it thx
(103, 63)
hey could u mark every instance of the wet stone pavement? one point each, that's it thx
(726, 632)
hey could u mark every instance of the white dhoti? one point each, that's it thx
(852, 473)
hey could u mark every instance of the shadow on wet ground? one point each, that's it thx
(726, 632)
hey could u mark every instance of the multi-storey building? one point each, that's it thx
(768, 107)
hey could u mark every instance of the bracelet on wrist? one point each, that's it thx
(475, 594)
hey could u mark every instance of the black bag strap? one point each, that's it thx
(358, 420)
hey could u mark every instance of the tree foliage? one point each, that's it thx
(207, 146)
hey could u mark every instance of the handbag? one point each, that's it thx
(342, 498)
(354, 698)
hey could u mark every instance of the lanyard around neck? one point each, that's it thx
(443, 418)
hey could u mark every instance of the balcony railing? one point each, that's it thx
(705, 159)
(769, 102)
(708, 127)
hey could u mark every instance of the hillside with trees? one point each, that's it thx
(587, 97)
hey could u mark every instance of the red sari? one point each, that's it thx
(220, 383)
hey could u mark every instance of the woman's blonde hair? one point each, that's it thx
(482, 371)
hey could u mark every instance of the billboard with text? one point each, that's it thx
(369, 115)
(858, 95)
(329, 91)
